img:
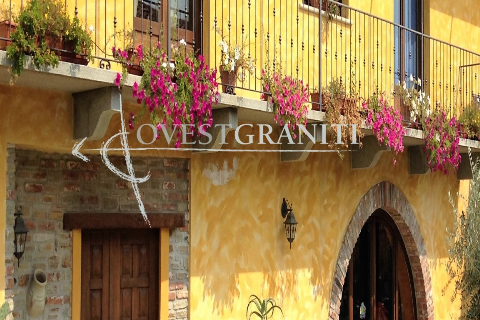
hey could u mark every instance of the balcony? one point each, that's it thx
(319, 44)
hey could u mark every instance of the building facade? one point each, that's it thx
(372, 225)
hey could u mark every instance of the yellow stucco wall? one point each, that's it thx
(238, 245)
(238, 241)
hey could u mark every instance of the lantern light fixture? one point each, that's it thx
(20, 231)
(290, 222)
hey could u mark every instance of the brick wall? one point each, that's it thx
(47, 185)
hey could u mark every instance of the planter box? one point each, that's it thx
(63, 49)
(6, 29)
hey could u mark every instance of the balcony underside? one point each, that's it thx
(82, 81)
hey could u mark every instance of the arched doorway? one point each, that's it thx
(379, 282)
(394, 205)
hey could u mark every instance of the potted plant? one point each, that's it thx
(288, 97)
(341, 108)
(441, 141)
(234, 63)
(46, 32)
(412, 103)
(174, 93)
(468, 121)
(386, 123)
(7, 25)
(315, 100)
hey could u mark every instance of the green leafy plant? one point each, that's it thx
(43, 28)
(4, 310)
(464, 242)
(265, 309)
(470, 120)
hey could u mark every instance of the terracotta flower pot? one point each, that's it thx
(265, 94)
(229, 80)
(315, 99)
(6, 29)
(134, 66)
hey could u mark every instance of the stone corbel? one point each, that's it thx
(367, 156)
(93, 110)
(465, 169)
(298, 151)
(418, 160)
(224, 121)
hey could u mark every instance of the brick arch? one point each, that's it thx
(389, 198)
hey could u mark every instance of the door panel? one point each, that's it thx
(379, 275)
(122, 272)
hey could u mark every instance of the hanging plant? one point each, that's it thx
(175, 92)
(386, 123)
(288, 97)
(442, 141)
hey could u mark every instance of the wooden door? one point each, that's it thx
(120, 274)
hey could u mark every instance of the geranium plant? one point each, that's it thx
(176, 91)
(386, 123)
(288, 96)
(441, 141)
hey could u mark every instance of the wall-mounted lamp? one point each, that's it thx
(290, 222)
(20, 232)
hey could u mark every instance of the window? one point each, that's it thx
(408, 45)
(379, 277)
(333, 7)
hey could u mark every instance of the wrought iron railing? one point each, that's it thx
(123, 23)
(366, 53)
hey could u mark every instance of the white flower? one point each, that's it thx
(172, 65)
(91, 28)
(419, 82)
(412, 114)
(428, 112)
(237, 53)
(224, 46)
(411, 77)
(404, 85)
(221, 44)
(226, 60)
(428, 100)
(414, 105)
(232, 66)
(183, 42)
(164, 64)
